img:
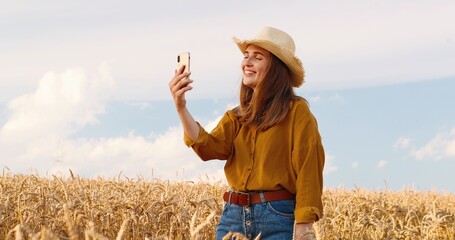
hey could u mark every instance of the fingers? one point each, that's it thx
(182, 86)
(179, 76)
(180, 92)
(180, 69)
(179, 83)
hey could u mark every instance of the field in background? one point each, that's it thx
(33, 207)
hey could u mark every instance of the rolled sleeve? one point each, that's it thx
(202, 137)
(214, 145)
(307, 214)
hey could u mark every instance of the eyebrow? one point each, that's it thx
(254, 52)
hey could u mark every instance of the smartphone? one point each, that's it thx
(184, 59)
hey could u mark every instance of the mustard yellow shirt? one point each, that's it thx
(288, 155)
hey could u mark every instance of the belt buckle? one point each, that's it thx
(248, 199)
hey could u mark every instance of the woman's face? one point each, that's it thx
(254, 65)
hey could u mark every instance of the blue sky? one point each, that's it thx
(84, 85)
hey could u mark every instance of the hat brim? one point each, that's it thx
(292, 62)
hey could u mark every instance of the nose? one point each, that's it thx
(247, 61)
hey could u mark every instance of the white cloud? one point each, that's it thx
(433, 149)
(62, 104)
(165, 157)
(450, 149)
(441, 146)
(338, 99)
(402, 143)
(335, 98)
(355, 165)
(329, 166)
(142, 105)
(381, 164)
(37, 135)
(314, 99)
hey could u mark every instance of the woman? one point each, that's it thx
(271, 144)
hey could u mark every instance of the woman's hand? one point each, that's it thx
(178, 86)
(304, 231)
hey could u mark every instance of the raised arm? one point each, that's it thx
(179, 85)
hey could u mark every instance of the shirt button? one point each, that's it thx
(247, 209)
(248, 223)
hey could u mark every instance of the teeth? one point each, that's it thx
(249, 72)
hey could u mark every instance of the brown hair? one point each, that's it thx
(269, 103)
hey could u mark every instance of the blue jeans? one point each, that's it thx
(274, 220)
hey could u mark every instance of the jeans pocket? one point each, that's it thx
(283, 208)
(226, 206)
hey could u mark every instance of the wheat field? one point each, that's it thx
(56, 207)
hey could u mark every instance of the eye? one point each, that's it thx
(258, 56)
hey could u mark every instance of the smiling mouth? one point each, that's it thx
(249, 73)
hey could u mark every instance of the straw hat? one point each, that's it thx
(279, 44)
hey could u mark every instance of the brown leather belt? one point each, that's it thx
(248, 198)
